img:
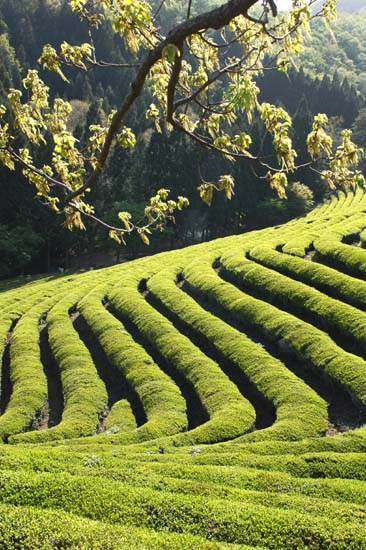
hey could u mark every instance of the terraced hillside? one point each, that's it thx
(207, 398)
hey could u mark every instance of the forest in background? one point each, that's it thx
(329, 77)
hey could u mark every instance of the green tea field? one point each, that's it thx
(212, 397)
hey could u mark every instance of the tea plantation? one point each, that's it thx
(208, 398)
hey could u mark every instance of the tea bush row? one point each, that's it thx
(212, 518)
(85, 395)
(161, 399)
(299, 410)
(306, 341)
(230, 414)
(301, 299)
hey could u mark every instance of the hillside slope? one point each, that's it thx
(342, 52)
(351, 6)
(211, 397)
(344, 6)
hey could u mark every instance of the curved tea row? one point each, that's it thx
(231, 372)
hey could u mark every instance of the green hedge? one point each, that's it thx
(240, 485)
(299, 410)
(230, 414)
(121, 418)
(351, 258)
(237, 475)
(29, 385)
(85, 396)
(315, 475)
(212, 518)
(26, 528)
(307, 342)
(161, 399)
(302, 299)
(322, 277)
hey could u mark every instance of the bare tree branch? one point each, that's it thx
(189, 9)
(158, 10)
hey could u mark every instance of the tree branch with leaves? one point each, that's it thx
(202, 77)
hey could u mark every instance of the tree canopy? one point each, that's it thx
(194, 71)
(346, 54)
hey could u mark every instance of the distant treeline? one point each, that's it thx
(32, 239)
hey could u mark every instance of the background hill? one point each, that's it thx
(345, 6)
(329, 78)
(351, 6)
(344, 53)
